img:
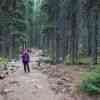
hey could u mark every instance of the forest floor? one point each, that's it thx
(44, 82)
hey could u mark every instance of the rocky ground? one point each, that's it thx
(65, 80)
(44, 82)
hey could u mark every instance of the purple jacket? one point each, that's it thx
(25, 58)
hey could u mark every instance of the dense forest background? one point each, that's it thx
(67, 30)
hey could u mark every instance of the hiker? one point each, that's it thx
(26, 60)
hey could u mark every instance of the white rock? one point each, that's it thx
(8, 90)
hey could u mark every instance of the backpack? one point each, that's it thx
(26, 57)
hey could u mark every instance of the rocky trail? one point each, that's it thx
(26, 86)
(44, 82)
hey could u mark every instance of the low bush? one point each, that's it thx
(91, 82)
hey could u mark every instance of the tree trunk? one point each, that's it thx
(95, 33)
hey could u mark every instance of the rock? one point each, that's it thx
(60, 83)
(14, 82)
(2, 76)
(7, 90)
(38, 86)
(6, 72)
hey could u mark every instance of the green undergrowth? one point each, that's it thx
(91, 81)
(51, 54)
(82, 60)
(3, 60)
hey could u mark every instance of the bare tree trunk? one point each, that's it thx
(57, 48)
(89, 34)
(94, 48)
(73, 27)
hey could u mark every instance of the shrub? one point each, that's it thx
(91, 82)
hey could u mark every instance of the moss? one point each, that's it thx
(3, 60)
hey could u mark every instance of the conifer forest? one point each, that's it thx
(63, 34)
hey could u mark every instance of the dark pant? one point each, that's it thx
(26, 67)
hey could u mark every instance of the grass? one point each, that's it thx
(84, 60)
(98, 59)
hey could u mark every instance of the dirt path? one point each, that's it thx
(26, 86)
(45, 82)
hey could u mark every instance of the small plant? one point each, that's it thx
(67, 59)
(3, 60)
